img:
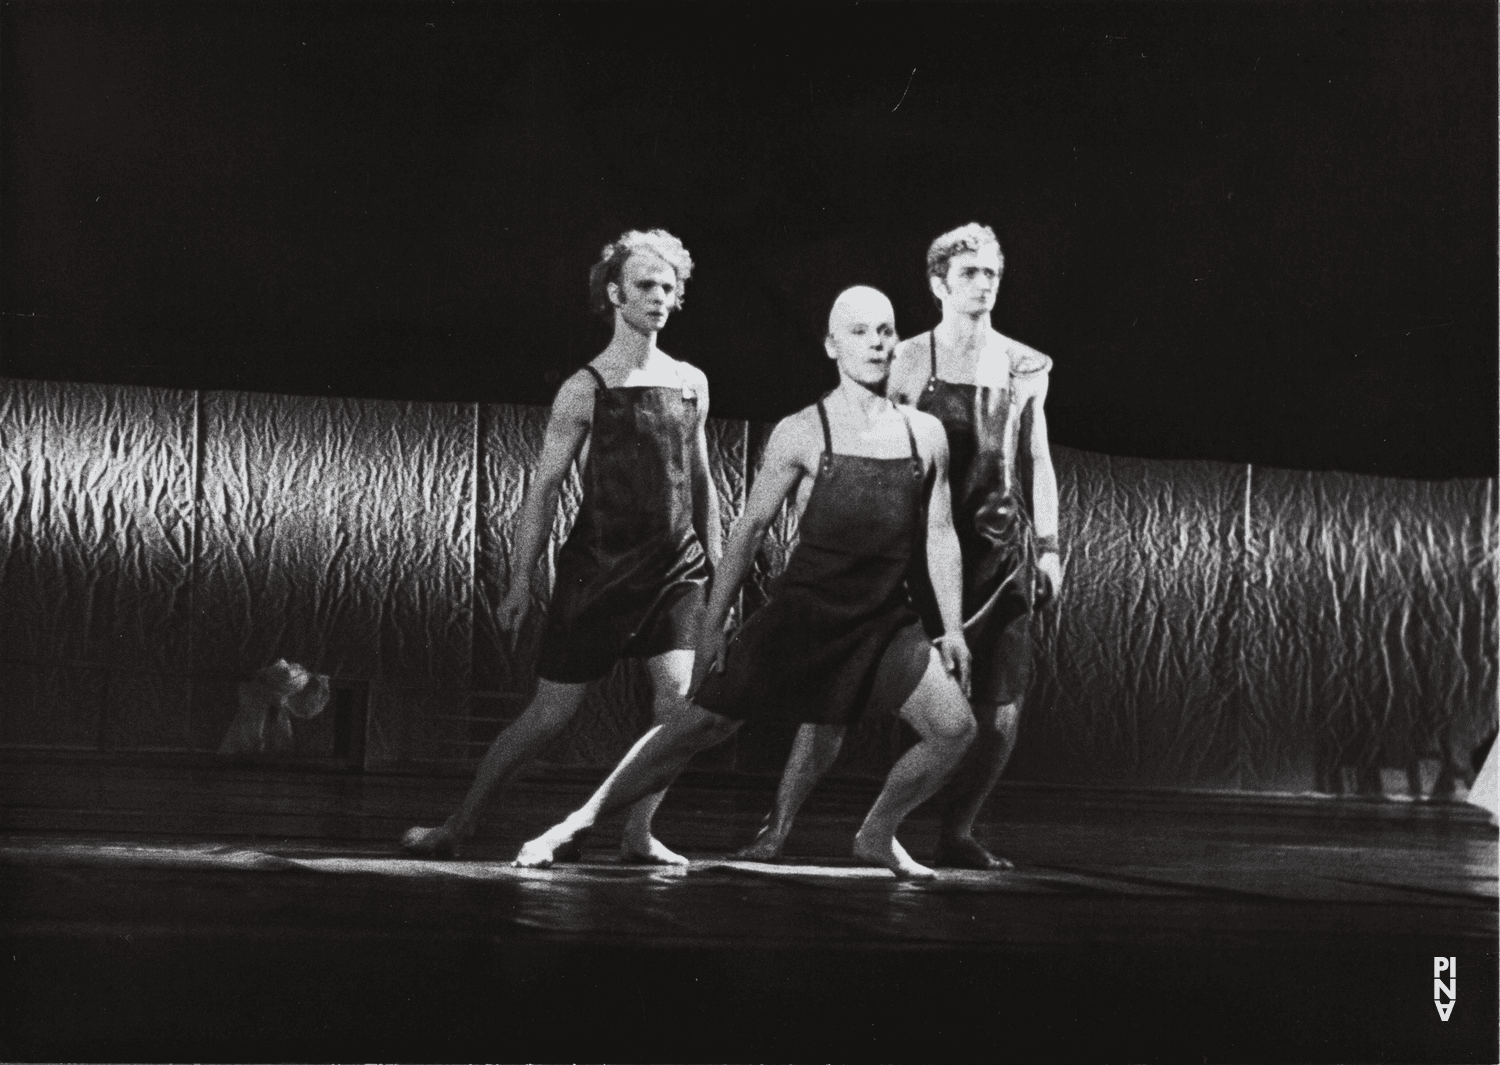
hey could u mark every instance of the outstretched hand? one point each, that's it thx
(957, 661)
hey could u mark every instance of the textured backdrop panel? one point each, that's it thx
(1137, 666)
(1370, 621)
(96, 500)
(339, 534)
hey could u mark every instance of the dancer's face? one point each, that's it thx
(862, 336)
(646, 293)
(972, 283)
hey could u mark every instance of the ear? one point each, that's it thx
(612, 290)
(828, 347)
(939, 286)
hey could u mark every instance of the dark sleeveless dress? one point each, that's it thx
(838, 637)
(630, 578)
(995, 534)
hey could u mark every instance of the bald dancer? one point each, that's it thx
(630, 578)
(838, 639)
(988, 391)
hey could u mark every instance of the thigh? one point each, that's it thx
(1003, 655)
(554, 702)
(671, 673)
(937, 707)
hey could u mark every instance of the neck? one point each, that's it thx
(868, 400)
(962, 332)
(630, 344)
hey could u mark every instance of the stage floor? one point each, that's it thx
(170, 912)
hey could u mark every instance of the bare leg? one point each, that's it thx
(945, 728)
(544, 718)
(649, 766)
(971, 786)
(813, 753)
(670, 675)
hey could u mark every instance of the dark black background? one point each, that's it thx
(1250, 232)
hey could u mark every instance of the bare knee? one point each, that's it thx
(997, 719)
(951, 723)
(668, 706)
(698, 729)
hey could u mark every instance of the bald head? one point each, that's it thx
(860, 303)
(862, 335)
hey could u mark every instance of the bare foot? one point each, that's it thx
(541, 852)
(653, 852)
(766, 847)
(887, 852)
(966, 852)
(440, 842)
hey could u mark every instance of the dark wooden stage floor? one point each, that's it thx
(196, 912)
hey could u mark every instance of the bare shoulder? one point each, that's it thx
(692, 376)
(797, 439)
(1025, 360)
(908, 369)
(912, 347)
(575, 397)
(932, 438)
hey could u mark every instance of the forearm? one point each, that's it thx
(732, 570)
(945, 571)
(538, 509)
(1044, 497)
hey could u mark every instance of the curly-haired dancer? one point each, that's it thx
(631, 577)
(988, 391)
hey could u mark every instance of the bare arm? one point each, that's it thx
(944, 562)
(1044, 496)
(780, 470)
(567, 427)
(705, 496)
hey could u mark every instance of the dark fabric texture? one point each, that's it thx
(839, 608)
(630, 575)
(1219, 626)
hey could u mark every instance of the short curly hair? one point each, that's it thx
(612, 263)
(967, 238)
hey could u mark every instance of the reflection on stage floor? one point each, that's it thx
(272, 917)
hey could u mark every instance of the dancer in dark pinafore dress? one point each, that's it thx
(838, 638)
(630, 579)
(630, 576)
(988, 391)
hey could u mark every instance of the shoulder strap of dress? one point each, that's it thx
(932, 350)
(597, 376)
(910, 436)
(827, 433)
